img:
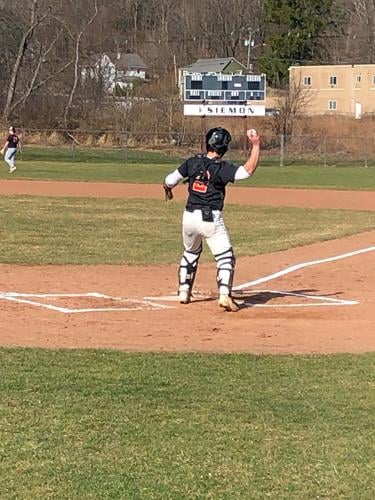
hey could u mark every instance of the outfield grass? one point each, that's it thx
(144, 167)
(94, 155)
(90, 424)
(44, 230)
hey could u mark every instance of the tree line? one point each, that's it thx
(45, 43)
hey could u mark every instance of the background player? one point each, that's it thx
(208, 175)
(11, 146)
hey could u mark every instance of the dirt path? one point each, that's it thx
(308, 198)
(326, 305)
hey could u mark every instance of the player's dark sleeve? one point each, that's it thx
(227, 172)
(183, 169)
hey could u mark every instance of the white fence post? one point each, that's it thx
(282, 149)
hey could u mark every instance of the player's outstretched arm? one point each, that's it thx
(173, 179)
(170, 182)
(252, 162)
(2, 151)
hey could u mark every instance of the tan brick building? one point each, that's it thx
(337, 89)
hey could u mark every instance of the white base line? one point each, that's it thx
(320, 300)
(317, 300)
(309, 296)
(148, 302)
(296, 267)
(27, 298)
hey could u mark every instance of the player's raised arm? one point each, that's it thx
(248, 169)
(252, 162)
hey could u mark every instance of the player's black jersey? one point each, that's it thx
(12, 140)
(207, 180)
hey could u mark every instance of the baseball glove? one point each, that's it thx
(167, 192)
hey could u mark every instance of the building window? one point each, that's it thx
(253, 78)
(307, 81)
(193, 94)
(224, 78)
(332, 105)
(214, 94)
(333, 80)
(358, 78)
(197, 84)
(253, 85)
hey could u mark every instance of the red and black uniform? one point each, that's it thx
(207, 180)
(13, 141)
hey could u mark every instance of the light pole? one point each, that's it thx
(249, 43)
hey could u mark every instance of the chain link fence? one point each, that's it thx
(149, 146)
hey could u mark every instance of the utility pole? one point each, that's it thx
(250, 43)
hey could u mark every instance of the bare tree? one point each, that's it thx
(365, 10)
(289, 107)
(34, 84)
(27, 35)
(77, 37)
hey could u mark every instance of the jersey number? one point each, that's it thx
(200, 187)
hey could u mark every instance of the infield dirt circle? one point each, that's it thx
(321, 301)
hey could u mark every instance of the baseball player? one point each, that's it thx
(207, 176)
(11, 146)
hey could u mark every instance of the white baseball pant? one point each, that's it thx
(194, 229)
(10, 156)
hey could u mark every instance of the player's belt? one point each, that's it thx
(207, 215)
(191, 208)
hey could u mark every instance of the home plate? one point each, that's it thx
(174, 297)
(267, 298)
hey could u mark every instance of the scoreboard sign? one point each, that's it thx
(224, 94)
(222, 87)
(224, 110)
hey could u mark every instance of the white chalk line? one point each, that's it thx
(26, 298)
(151, 304)
(302, 265)
(321, 300)
(318, 300)
(283, 272)
(333, 300)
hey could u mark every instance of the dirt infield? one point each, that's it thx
(322, 299)
(308, 198)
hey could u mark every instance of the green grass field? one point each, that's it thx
(97, 424)
(144, 167)
(43, 230)
(91, 424)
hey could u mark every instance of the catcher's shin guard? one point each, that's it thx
(188, 270)
(225, 263)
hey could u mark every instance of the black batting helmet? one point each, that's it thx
(218, 139)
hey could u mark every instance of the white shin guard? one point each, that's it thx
(188, 269)
(225, 263)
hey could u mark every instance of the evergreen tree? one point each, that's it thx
(293, 27)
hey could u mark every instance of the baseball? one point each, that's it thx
(252, 131)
